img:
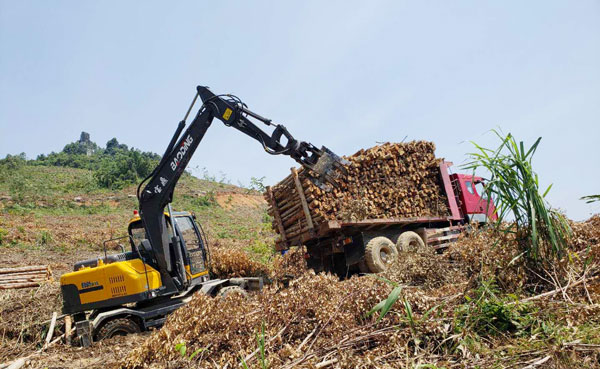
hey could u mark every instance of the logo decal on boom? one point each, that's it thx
(182, 151)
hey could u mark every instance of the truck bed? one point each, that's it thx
(331, 227)
(313, 230)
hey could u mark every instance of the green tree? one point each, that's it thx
(113, 147)
(123, 168)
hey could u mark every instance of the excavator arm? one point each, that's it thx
(324, 168)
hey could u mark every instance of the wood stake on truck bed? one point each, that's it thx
(311, 227)
(276, 213)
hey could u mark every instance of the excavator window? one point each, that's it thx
(187, 232)
(193, 243)
(138, 234)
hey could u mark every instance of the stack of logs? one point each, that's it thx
(24, 277)
(393, 180)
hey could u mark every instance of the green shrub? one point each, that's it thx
(44, 238)
(488, 313)
(182, 349)
(257, 184)
(207, 200)
(13, 162)
(261, 250)
(18, 186)
(266, 218)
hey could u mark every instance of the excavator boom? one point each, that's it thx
(324, 168)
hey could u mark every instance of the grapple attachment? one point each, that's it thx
(326, 168)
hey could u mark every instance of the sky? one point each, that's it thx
(344, 74)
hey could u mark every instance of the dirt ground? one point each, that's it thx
(230, 200)
(102, 355)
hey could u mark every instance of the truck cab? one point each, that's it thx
(472, 200)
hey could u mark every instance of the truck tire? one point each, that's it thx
(411, 242)
(379, 254)
(232, 290)
(117, 327)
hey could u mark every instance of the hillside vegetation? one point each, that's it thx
(113, 167)
(85, 194)
(63, 209)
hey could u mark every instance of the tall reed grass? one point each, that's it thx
(514, 186)
(591, 198)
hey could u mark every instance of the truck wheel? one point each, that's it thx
(117, 327)
(232, 290)
(379, 254)
(411, 242)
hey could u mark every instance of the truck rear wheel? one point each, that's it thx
(410, 241)
(379, 254)
(232, 290)
(117, 327)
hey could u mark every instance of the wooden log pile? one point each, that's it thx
(393, 180)
(24, 277)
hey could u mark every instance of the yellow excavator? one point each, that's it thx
(169, 257)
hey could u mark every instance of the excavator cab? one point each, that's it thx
(192, 245)
(132, 276)
(122, 293)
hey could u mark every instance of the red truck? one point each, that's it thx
(347, 247)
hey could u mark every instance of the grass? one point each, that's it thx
(260, 343)
(3, 233)
(36, 182)
(514, 187)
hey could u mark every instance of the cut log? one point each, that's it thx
(276, 213)
(24, 269)
(68, 323)
(51, 329)
(18, 285)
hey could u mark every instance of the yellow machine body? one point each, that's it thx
(102, 282)
(107, 284)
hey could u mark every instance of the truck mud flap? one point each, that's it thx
(355, 251)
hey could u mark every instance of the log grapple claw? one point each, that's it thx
(328, 170)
